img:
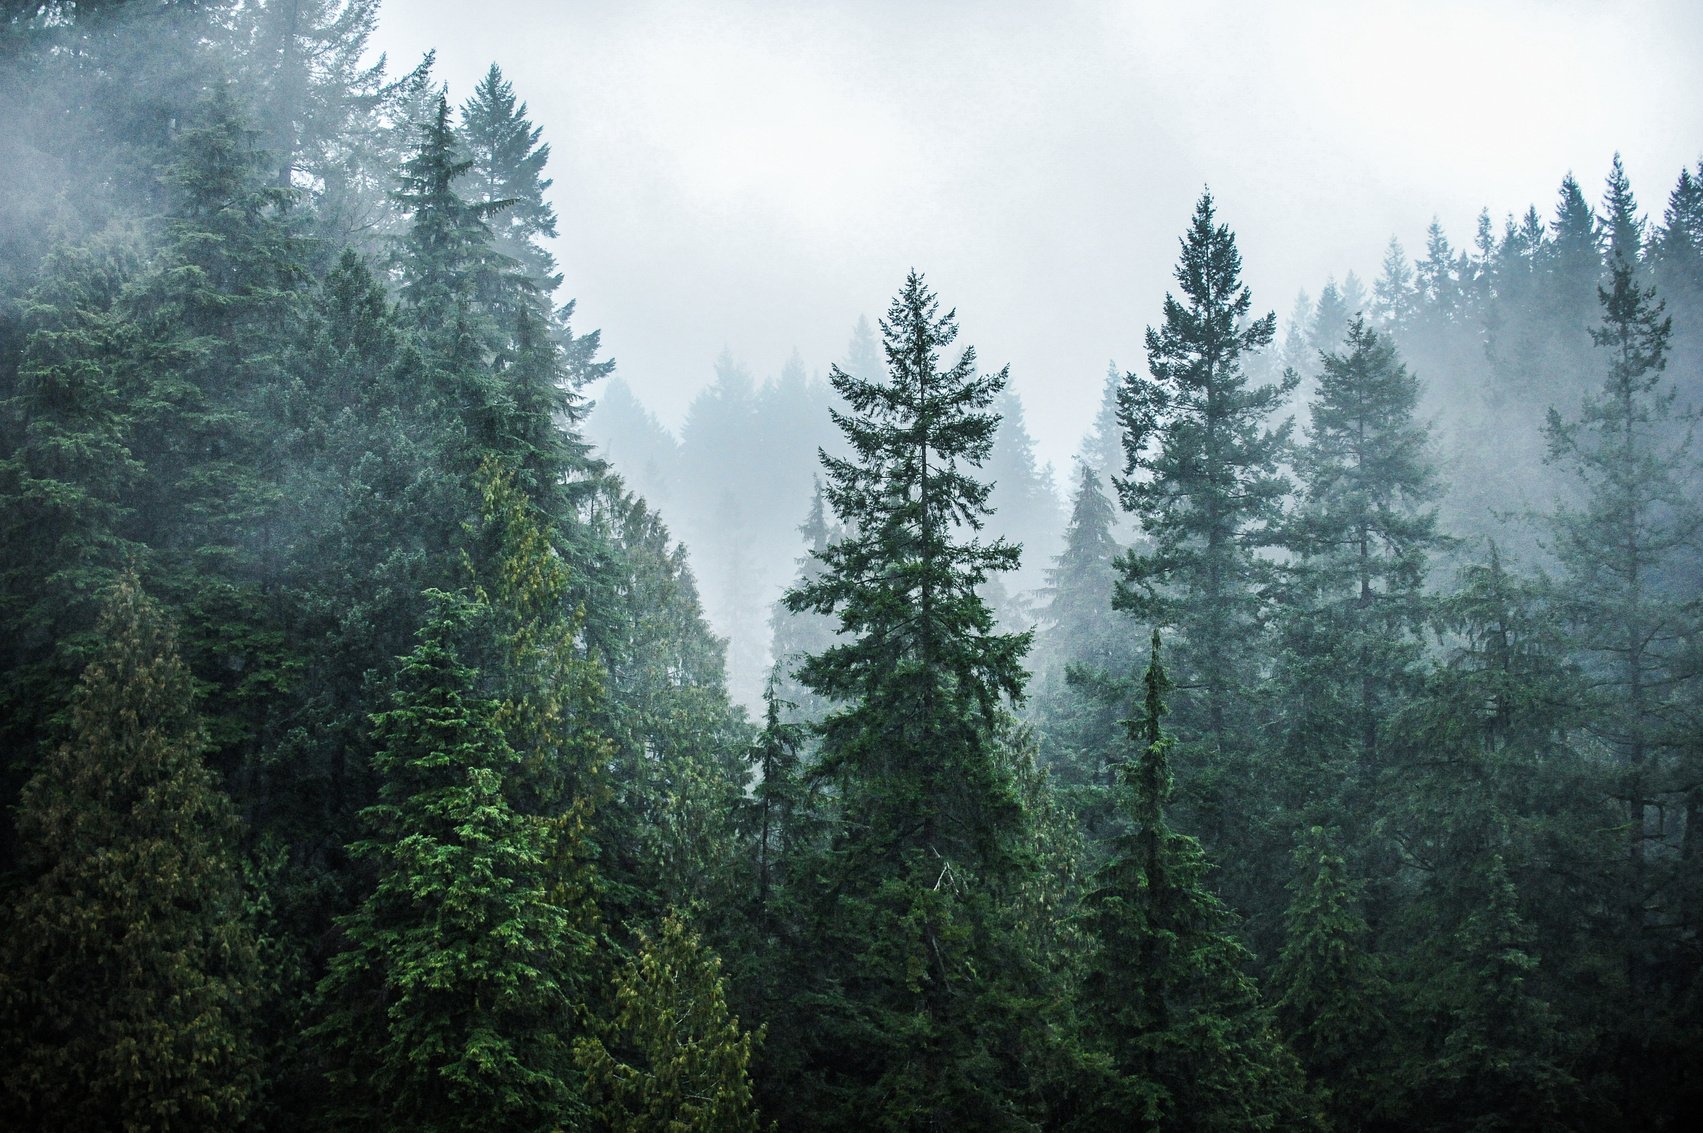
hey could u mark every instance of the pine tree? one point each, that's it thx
(1204, 480)
(1622, 227)
(1392, 294)
(1330, 991)
(457, 289)
(447, 1008)
(1082, 651)
(1676, 259)
(67, 481)
(1497, 1066)
(918, 993)
(1178, 1037)
(1620, 551)
(506, 163)
(1025, 508)
(799, 635)
(672, 1057)
(129, 971)
(1103, 446)
(1362, 530)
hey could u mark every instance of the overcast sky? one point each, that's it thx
(754, 176)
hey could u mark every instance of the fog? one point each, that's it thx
(754, 177)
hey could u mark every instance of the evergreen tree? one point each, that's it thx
(1178, 1037)
(456, 288)
(1331, 994)
(918, 993)
(1103, 446)
(311, 86)
(1496, 1067)
(129, 972)
(1622, 227)
(1361, 532)
(1024, 505)
(1392, 294)
(1676, 259)
(800, 635)
(672, 1057)
(1082, 652)
(68, 479)
(447, 1008)
(506, 163)
(1620, 552)
(1205, 481)
(633, 442)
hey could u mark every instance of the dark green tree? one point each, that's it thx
(506, 161)
(68, 479)
(1362, 530)
(1178, 1038)
(1331, 994)
(1621, 551)
(447, 1008)
(918, 993)
(1204, 479)
(129, 970)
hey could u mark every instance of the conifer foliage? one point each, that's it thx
(1204, 478)
(128, 967)
(916, 979)
(447, 1008)
(1179, 1038)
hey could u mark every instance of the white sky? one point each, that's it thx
(749, 175)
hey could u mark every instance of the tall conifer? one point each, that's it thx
(128, 969)
(920, 991)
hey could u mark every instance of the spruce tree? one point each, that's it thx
(68, 477)
(1204, 480)
(447, 1008)
(1621, 551)
(129, 971)
(1362, 530)
(1083, 653)
(505, 171)
(1178, 1038)
(672, 1057)
(1331, 994)
(918, 992)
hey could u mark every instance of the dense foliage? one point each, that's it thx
(369, 760)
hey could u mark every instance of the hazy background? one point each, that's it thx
(755, 175)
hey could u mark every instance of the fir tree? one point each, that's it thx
(1622, 227)
(919, 992)
(1331, 993)
(1393, 292)
(129, 971)
(1082, 652)
(505, 170)
(1620, 552)
(672, 1057)
(1361, 531)
(68, 479)
(447, 1008)
(1204, 479)
(1178, 1037)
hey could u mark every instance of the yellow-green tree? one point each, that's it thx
(128, 967)
(673, 1058)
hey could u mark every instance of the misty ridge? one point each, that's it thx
(401, 726)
